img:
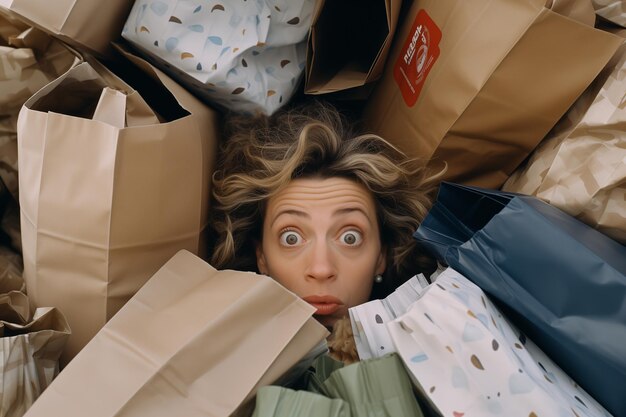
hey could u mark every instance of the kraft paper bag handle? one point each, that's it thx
(111, 108)
(123, 110)
(138, 112)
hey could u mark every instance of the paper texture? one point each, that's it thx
(580, 167)
(193, 341)
(11, 271)
(612, 10)
(446, 98)
(469, 360)
(29, 60)
(243, 56)
(377, 387)
(368, 319)
(29, 352)
(104, 207)
(87, 25)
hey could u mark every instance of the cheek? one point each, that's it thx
(282, 269)
(359, 284)
(361, 294)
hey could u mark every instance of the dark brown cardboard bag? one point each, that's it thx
(477, 84)
(348, 45)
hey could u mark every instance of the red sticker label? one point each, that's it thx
(418, 55)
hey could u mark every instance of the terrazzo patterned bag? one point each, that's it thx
(245, 56)
(468, 360)
(580, 167)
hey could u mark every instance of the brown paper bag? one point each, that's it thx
(29, 352)
(86, 25)
(477, 84)
(108, 192)
(29, 59)
(580, 166)
(612, 10)
(11, 271)
(348, 45)
(193, 341)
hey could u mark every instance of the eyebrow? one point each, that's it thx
(293, 212)
(348, 210)
(336, 213)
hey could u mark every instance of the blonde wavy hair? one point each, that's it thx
(261, 155)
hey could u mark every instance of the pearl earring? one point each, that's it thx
(378, 279)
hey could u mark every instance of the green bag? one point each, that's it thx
(378, 387)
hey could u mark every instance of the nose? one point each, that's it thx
(321, 265)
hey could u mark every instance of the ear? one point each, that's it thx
(381, 262)
(260, 259)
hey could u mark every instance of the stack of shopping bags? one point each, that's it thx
(32, 338)
(561, 281)
(110, 122)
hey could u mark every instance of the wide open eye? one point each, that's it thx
(351, 238)
(290, 238)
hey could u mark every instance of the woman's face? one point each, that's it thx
(321, 241)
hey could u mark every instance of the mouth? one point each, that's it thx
(325, 305)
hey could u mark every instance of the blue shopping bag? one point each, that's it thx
(562, 282)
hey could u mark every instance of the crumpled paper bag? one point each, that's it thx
(30, 348)
(612, 10)
(11, 271)
(580, 167)
(29, 59)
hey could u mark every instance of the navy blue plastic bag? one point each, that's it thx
(560, 281)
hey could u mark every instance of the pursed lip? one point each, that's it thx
(324, 304)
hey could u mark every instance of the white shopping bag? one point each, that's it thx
(468, 360)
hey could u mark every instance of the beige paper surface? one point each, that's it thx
(208, 121)
(87, 25)
(612, 10)
(506, 72)
(29, 59)
(580, 167)
(103, 207)
(193, 341)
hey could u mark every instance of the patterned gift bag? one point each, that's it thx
(245, 56)
(468, 360)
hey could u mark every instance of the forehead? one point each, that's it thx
(318, 193)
